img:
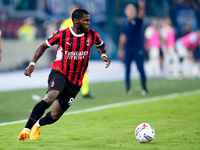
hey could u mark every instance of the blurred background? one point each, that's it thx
(107, 17)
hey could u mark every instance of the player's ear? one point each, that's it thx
(76, 21)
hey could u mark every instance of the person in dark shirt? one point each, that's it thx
(65, 79)
(130, 44)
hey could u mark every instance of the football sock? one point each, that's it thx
(46, 120)
(37, 123)
(37, 113)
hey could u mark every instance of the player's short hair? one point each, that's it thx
(78, 14)
(130, 6)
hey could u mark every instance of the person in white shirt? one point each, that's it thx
(170, 62)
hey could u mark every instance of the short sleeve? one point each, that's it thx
(193, 38)
(97, 41)
(163, 33)
(148, 32)
(54, 38)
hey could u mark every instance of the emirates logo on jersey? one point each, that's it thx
(88, 42)
(76, 55)
(52, 84)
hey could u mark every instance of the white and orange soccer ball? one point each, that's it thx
(144, 133)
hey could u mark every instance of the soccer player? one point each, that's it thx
(85, 92)
(167, 35)
(130, 46)
(65, 79)
(153, 47)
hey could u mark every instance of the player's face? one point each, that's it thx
(85, 23)
(130, 13)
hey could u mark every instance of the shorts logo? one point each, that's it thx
(52, 84)
(70, 101)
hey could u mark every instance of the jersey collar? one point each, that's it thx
(77, 35)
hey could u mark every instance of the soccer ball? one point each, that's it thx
(144, 133)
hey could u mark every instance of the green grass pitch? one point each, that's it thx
(176, 120)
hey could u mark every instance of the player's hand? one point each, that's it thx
(106, 59)
(141, 4)
(29, 70)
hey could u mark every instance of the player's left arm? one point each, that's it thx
(39, 52)
(142, 9)
(102, 51)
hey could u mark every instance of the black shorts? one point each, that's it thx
(68, 90)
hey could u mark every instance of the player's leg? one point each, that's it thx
(64, 101)
(161, 60)
(53, 115)
(140, 66)
(175, 65)
(165, 64)
(40, 108)
(85, 88)
(150, 63)
(188, 63)
(155, 62)
(50, 118)
(182, 53)
(128, 60)
(55, 86)
(37, 113)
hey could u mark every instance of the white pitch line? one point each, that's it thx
(144, 100)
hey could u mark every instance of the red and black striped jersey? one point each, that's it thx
(73, 52)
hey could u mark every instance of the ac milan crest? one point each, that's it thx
(52, 84)
(88, 42)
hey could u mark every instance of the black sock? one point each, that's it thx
(47, 119)
(37, 113)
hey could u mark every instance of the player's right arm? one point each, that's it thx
(122, 41)
(53, 39)
(39, 52)
(142, 9)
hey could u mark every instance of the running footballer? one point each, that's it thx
(65, 79)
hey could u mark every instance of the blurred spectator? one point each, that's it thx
(184, 13)
(185, 47)
(28, 31)
(130, 46)
(50, 27)
(171, 61)
(188, 28)
(0, 45)
(152, 45)
(68, 22)
(196, 5)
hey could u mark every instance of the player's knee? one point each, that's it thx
(51, 97)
